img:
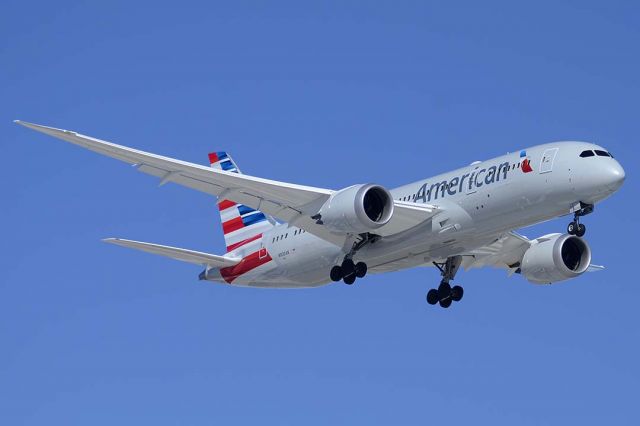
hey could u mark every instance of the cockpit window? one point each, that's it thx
(588, 153)
(601, 153)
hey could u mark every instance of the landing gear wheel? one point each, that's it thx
(348, 267)
(349, 279)
(456, 293)
(581, 230)
(444, 291)
(432, 297)
(572, 228)
(361, 269)
(445, 303)
(336, 273)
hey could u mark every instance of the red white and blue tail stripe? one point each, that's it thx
(241, 224)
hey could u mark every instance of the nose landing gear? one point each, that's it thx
(575, 227)
(445, 294)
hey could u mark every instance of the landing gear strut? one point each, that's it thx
(445, 294)
(348, 271)
(575, 227)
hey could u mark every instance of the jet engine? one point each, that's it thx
(357, 209)
(557, 258)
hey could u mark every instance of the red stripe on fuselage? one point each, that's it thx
(232, 225)
(248, 263)
(243, 242)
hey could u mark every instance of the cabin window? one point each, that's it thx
(587, 153)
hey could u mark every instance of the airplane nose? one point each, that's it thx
(614, 176)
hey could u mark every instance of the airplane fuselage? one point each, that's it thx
(286, 235)
(480, 202)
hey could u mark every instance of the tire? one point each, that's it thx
(572, 228)
(432, 296)
(445, 303)
(336, 273)
(456, 293)
(349, 279)
(348, 267)
(444, 290)
(581, 230)
(361, 269)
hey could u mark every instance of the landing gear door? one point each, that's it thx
(546, 164)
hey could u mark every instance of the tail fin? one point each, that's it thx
(240, 224)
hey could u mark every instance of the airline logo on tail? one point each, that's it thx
(242, 226)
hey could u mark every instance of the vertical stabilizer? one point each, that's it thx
(241, 225)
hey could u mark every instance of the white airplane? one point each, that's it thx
(282, 235)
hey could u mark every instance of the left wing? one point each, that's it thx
(291, 203)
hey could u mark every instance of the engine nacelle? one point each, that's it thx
(357, 209)
(556, 259)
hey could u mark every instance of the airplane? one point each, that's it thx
(284, 235)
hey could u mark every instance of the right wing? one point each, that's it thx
(506, 252)
(176, 253)
(291, 203)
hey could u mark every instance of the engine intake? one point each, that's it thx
(558, 258)
(357, 209)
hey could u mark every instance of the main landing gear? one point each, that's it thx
(575, 227)
(348, 271)
(445, 294)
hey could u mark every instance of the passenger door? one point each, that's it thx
(548, 157)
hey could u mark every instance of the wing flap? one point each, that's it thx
(176, 253)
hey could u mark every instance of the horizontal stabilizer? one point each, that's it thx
(184, 255)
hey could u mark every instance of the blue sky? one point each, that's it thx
(326, 94)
